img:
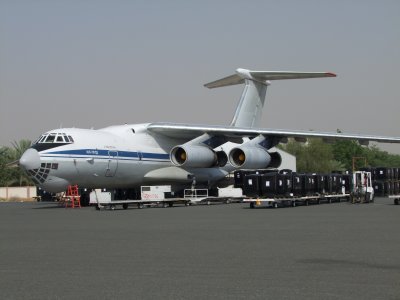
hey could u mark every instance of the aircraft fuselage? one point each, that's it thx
(113, 157)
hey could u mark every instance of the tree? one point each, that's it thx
(314, 156)
(344, 151)
(378, 158)
(13, 176)
(6, 174)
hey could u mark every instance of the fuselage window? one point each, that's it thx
(71, 139)
(66, 139)
(60, 139)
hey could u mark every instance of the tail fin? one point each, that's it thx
(249, 110)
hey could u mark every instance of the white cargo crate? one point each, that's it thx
(154, 192)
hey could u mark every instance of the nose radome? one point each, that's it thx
(30, 159)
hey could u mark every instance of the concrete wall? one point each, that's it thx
(17, 193)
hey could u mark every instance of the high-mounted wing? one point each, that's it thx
(186, 131)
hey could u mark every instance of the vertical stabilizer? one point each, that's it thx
(249, 110)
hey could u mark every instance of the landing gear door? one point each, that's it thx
(112, 163)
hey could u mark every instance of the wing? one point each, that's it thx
(189, 132)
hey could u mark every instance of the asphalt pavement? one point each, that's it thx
(327, 251)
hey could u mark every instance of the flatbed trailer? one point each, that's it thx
(396, 199)
(169, 202)
(156, 196)
(293, 201)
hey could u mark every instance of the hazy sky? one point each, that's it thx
(98, 63)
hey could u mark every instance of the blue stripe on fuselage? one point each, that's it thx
(98, 153)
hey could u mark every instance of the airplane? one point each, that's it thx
(128, 156)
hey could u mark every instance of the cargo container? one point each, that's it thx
(346, 183)
(252, 185)
(383, 173)
(284, 185)
(379, 187)
(269, 185)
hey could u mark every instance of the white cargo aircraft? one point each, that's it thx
(127, 156)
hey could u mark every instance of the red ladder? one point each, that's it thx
(73, 199)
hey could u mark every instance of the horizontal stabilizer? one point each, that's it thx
(264, 77)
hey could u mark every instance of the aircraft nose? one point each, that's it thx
(30, 159)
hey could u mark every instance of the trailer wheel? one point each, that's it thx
(112, 207)
(125, 205)
(140, 205)
(251, 204)
(396, 201)
(293, 203)
(275, 205)
(165, 204)
(306, 203)
(170, 204)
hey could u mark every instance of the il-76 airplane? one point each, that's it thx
(128, 156)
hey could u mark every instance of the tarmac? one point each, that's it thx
(327, 251)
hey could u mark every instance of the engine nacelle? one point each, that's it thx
(252, 157)
(276, 160)
(197, 156)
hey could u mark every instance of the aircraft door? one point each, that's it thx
(112, 163)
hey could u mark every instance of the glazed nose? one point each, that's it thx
(30, 160)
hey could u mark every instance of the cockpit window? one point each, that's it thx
(50, 138)
(54, 138)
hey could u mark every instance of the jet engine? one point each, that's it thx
(197, 156)
(253, 157)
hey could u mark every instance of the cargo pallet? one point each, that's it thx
(293, 201)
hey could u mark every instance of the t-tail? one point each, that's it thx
(249, 110)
